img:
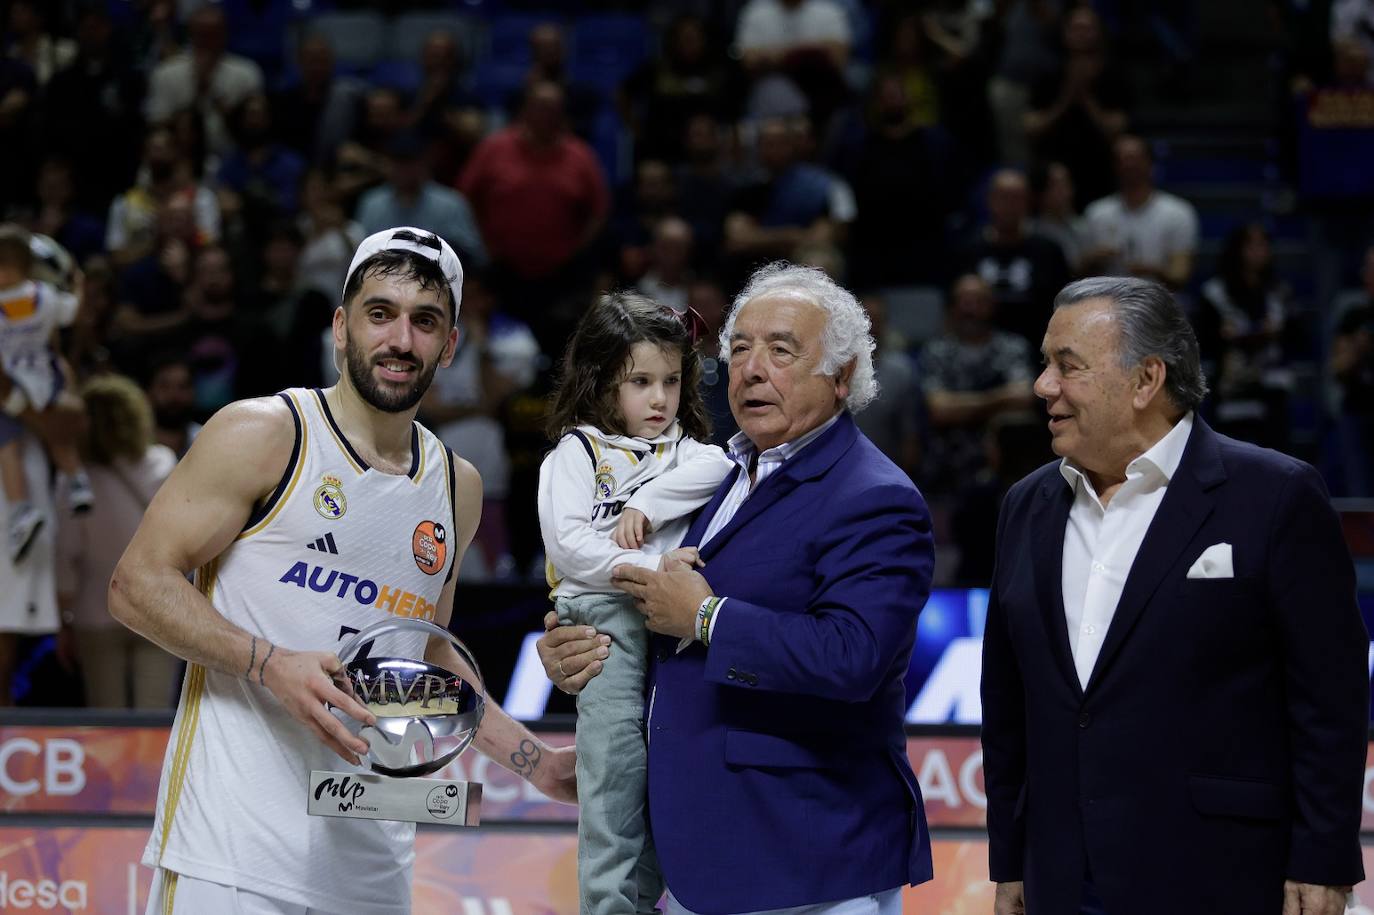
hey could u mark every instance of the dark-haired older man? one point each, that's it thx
(1175, 697)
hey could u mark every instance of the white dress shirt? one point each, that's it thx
(1100, 543)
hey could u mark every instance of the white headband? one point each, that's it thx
(421, 242)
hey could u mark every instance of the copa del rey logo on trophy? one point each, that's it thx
(426, 716)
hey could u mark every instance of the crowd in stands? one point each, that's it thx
(212, 167)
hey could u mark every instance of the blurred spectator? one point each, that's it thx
(29, 41)
(496, 357)
(205, 78)
(705, 184)
(172, 397)
(1352, 368)
(960, 56)
(151, 312)
(360, 162)
(279, 296)
(1076, 113)
(1332, 143)
(903, 188)
(827, 258)
(297, 315)
(1027, 50)
(315, 112)
(1353, 20)
(259, 177)
(94, 111)
(688, 79)
(188, 129)
(1056, 217)
(1140, 230)
(121, 669)
(1241, 324)
(549, 64)
(541, 203)
(890, 420)
(670, 257)
(1303, 32)
(1015, 444)
(58, 216)
(154, 34)
(639, 209)
(166, 176)
(969, 374)
(907, 63)
(330, 236)
(1350, 63)
(1024, 271)
(411, 198)
(706, 297)
(86, 348)
(230, 353)
(795, 203)
(448, 116)
(803, 44)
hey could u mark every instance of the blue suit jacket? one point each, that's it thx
(1219, 746)
(778, 773)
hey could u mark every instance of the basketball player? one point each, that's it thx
(307, 517)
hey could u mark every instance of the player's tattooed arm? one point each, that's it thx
(526, 759)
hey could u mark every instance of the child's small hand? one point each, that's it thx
(631, 529)
(681, 559)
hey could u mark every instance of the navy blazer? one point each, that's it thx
(1219, 746)
(778, 773)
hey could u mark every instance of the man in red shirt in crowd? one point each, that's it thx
(541, 202)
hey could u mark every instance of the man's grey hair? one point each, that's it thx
(847, 328)
(1152, 324)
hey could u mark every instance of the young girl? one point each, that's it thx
(629, 468)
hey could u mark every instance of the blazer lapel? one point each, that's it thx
(1056, 497)
(1187, 503)
(814, 460)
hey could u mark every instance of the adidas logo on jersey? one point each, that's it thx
(324, 544)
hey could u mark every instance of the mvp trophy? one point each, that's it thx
(426, 716)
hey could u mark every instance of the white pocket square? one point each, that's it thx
(1215, 562)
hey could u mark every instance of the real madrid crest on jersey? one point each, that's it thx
(429, 546)
(605, 481)
(329, 498)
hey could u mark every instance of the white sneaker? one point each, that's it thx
(25, 523)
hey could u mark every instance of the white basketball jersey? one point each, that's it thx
(337, 547)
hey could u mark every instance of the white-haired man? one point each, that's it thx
(778, 775)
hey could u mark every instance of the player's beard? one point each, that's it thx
(389, 397)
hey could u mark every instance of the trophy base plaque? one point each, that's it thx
(364, 795)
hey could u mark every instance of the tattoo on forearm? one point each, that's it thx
(526, 759)
(270, 648)
(252, 656)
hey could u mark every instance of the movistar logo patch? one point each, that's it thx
(396, 601)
